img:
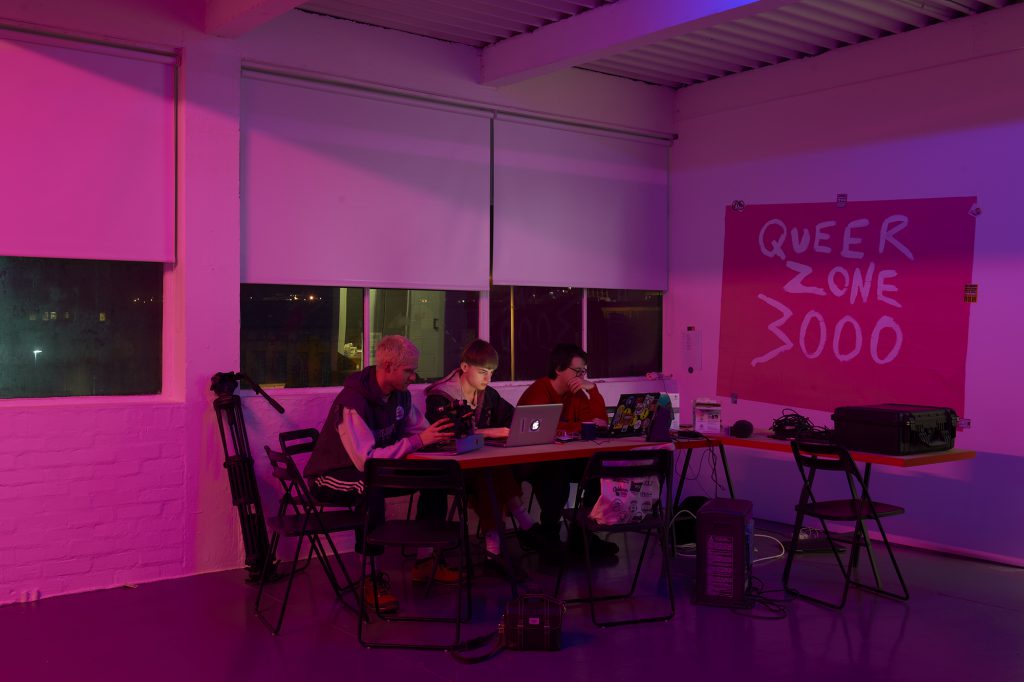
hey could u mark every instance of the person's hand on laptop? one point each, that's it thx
(440, 430)
(496, 432)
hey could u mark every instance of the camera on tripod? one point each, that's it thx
(459, 413)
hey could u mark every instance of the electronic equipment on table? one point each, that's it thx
(460, 414)
(531, 425)
(895, 429)
(633, 415)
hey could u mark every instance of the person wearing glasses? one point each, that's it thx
(565, 383)
(469, 383)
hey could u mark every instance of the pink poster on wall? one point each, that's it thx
(825, 305)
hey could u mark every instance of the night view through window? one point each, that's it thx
(79, 328)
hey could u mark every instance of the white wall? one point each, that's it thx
(932, 113)
(99, 492)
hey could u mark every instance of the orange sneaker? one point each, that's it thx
(385, 601)
(423, 568)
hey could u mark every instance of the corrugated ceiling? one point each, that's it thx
(800, 29)
(469, 22)
(796, 30)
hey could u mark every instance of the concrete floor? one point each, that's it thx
(964, 621)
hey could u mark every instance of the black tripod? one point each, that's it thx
(241, 475)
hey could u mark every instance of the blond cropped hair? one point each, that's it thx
(396, 350)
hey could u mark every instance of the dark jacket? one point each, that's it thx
(385, 425)
(492, 411)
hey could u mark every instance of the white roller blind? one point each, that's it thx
(86, 152)
(575, 208)
(350, 189)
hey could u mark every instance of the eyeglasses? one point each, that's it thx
(579, 371)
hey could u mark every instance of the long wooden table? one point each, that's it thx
(488, 457)
(494, 456)
(762, 441)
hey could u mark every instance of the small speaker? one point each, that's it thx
(741, 429)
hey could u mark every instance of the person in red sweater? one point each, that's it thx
(565, 383)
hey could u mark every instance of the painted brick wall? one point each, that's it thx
(100, 493)
(91, 496)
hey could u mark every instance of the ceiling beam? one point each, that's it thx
(605, 31)
(233, 18)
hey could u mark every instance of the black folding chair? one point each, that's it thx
(396, 477)
(302, 442)
(298, 442)
(631, 464)
(812, 458)
(298, 516)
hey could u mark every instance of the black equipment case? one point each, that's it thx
(532, 622)
(895, 429)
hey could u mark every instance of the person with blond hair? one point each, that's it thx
(373, 417)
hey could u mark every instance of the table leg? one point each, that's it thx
(679, 488)
(725, 467)
(506, 562)
(864, 534)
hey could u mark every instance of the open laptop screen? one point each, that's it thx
(531, 425)
(634, 414)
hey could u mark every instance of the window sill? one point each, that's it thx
(416, 388)
(91, 401)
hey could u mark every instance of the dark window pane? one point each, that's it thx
(440, 323)
(77, 327)
(541, 318)
(501, 330)
(299, 336)
(623, 332)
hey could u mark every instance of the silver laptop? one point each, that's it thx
(531, 425)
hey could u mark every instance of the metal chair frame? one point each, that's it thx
(626, 464)
(306, 520)
(390, 476)
(301, 442)
(811, 458)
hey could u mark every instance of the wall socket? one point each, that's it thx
(963, 424)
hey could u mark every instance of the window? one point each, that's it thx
(308, 336)
(297, 336)
(623, 329)
(527, 322)
(623, 332)
(440, 323)
(79, 328)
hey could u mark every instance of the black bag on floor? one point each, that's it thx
(532, 622)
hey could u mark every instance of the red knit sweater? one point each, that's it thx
(576, 408)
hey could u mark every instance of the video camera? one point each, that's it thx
(459, 413)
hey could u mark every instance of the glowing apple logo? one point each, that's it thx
(535, 425)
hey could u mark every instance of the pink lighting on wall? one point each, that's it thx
(825, 305)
